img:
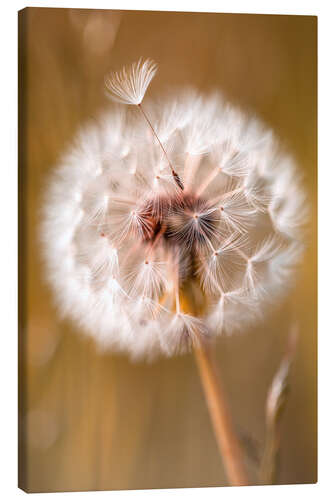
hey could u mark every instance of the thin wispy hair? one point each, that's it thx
(129, 85)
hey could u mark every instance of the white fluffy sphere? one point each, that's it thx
(124, 243)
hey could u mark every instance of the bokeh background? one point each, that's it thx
(90, 420)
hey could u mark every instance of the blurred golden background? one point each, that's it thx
(90, 420)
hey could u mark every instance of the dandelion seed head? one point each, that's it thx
(124, 240)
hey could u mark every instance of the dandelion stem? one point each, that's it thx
(174, 173)
(227, 440)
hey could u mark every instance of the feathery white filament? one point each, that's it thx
(129, 85)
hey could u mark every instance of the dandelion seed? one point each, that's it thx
(148, 280)
(129, 85)
(220, 269)
(235, 211)
(182, 333)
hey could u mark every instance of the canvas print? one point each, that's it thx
(167, 261)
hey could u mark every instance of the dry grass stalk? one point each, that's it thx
(275, 405)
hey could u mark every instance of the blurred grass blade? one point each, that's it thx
(275, 404)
